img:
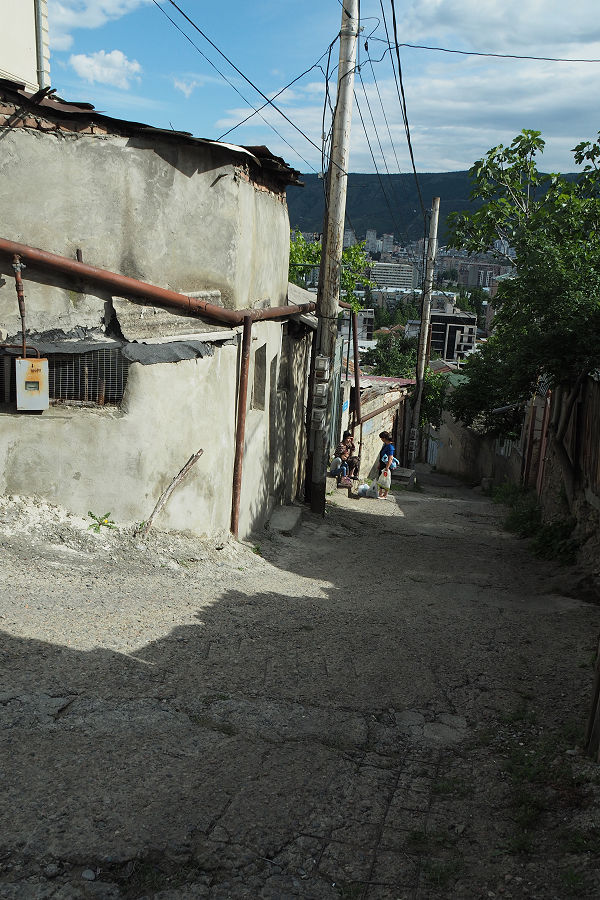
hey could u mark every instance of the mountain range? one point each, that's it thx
(389, 204)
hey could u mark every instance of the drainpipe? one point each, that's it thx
(122, 285)
(241, 426)
(18, 266)
(357, 408)
(39, 43)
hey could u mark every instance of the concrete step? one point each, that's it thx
(404, 476)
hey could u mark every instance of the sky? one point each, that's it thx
(131, 62)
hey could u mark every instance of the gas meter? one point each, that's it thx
(31, 377)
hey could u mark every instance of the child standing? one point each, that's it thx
(386, 457)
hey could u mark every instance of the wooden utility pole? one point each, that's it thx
(331, 252)
(413, 447)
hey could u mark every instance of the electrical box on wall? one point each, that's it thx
(31, 376)
(322, 368)
(320, 394)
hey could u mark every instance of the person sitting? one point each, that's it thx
(346, 452)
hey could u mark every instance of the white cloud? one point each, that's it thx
(458, 109)
(106, 68)
(509, 26)
(66, 15)
(186, 87)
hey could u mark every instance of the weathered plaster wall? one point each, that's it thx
(179, 216)
(467, 455)
(121, 460)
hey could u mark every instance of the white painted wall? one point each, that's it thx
(18, 53)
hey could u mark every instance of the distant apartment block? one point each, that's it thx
(365, 320)
(371, 241)
(453, 333)
(396, 275)
(470, 270)
(349, 239)
(387, 243)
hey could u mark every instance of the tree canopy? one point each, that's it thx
(306, 256)
(548, 315)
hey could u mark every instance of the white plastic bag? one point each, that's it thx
(385, 480)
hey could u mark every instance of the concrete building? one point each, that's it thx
(349, 238)
(25, 53)
(453, 333)
(135, 389)
(396, 275)
(365, 320)
(371, 241)
(387, 243)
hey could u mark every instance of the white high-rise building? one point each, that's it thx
(397, 275)
(387, 241)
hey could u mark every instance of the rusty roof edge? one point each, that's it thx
(260, 155)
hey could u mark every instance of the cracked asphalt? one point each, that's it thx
(388, 703)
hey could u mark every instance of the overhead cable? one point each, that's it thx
(251, 83)
(230, 83)
(403, 105)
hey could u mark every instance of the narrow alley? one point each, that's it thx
(388, 703)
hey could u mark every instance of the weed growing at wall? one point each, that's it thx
(553, 540)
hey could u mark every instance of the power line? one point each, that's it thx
(239, 71)
(375, 164)
(403, 105)
(230, 83)
(283, 89)
(382, 106)
(495, 55)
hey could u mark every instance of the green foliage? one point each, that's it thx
(395, 355)
(548, 319)
(101, 522)
(306, 256)
(433, 401)
(553, 540)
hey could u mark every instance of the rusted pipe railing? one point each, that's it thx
(193, 306)
(241, 426)
(123, 285)
(29, 349)
(18, 266)
(376, 412)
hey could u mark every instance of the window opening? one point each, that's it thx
(97, 378)
(260, 378)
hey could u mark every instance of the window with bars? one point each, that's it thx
(97, 378)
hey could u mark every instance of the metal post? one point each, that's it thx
(331, 254)
(241, 426)
(424, 331)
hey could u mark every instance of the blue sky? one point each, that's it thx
(126, 58)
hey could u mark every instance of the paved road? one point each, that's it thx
(386, 704)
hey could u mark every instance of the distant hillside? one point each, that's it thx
(367, 206)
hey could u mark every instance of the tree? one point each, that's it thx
(548, 319)
(395, 355)
(306, 256)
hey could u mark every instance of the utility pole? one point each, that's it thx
(422, 352)
(331, 254)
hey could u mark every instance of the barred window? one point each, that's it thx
(96, 378)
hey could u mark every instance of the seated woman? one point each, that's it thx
(345, 461)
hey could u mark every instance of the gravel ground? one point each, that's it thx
(388, 703)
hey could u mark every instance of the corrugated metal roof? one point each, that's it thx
(45, 103)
